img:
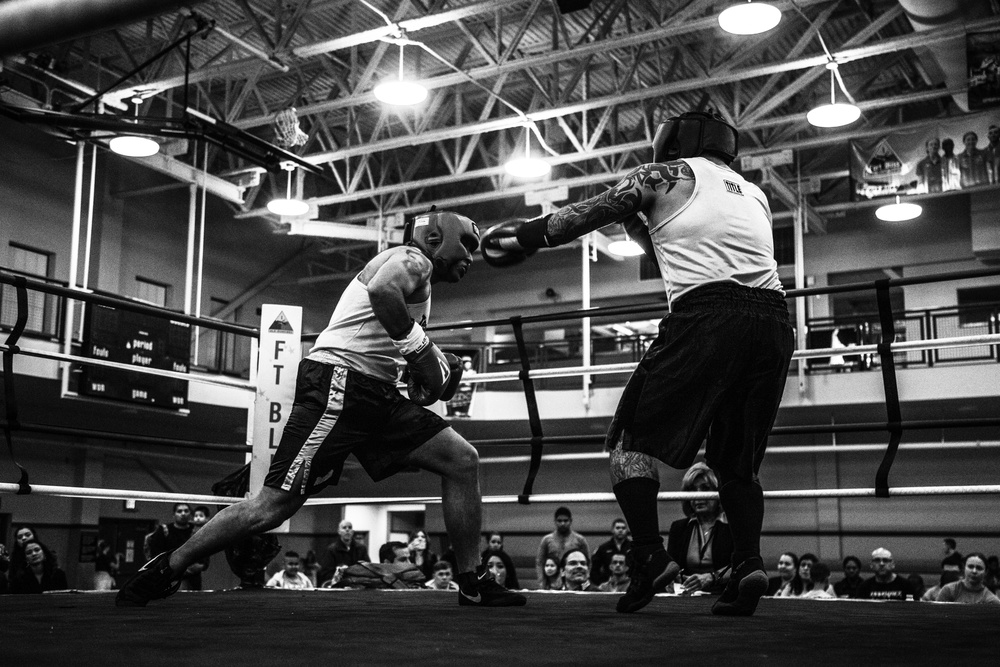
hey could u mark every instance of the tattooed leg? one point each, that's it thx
(627, 465)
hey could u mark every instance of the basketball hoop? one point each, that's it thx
(286, 128)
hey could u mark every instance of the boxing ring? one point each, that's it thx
(555, 628)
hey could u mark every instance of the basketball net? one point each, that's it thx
(286, 129)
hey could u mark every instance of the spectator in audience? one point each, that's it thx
(310, 567)
(167, 537)
(886, 584)
(819, 582)
(420, 554)
(787, 584)
(972, 162)
(951, 175)
(557, 543)
(970, 589)
(394, 552)
(619, 580)
(40, 573)
(443, 579)
(23, 535)
(200, 516)
(701, 543)
(494, 547)
(343, 552)
(952, 559)
(806, 563)
(917, 584)
(291, 577)
(948, 576)
(619, 543)
(992, 579)
(4, 569)
(848, 586)
(496, 565)
(551, 579)
(105, 567)
(575, 566)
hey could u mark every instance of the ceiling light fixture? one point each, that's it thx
(398, 92)
(131, 145)
(288, 206)
(899, 211)
(751, 18)
(834, 114)
(527, 166)
(625, 247)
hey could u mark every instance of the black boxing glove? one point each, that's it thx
(428, 369)
(500, 246)
(456, 368)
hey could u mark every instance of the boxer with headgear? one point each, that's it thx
(346, 402)
(716, 371)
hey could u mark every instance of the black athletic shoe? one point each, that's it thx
(745, 588)
(153, 581)
(486, 592)
(648, 574)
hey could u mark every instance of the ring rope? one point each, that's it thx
(205, 379)
(155, 496)
(791, 449)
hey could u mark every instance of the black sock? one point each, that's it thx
(637, 499)
(743, 503)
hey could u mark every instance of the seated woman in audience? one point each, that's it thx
(788, 583)
(21, 537)
(421, 555)
(551, 579)
(496, 565)
(700, 543)
(848, 586)
(494, 547)
(806, 564)
(41, 574)
(948, 576)
(819, 582)
(970, 589)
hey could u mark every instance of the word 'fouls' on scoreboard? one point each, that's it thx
(136, 339)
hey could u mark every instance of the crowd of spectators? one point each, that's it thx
(700, 542)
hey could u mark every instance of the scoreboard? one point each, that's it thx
(138, 339)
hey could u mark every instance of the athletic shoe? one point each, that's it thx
(486, 592)
(648, 573)
(153, 581)
(745, 588)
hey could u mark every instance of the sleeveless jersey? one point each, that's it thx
(721, 233)
(356, 339)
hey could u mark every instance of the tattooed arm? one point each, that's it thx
(645, 189)
(391, 278)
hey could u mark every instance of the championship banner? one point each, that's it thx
(954, 154)
(277, 369)
(983, 58)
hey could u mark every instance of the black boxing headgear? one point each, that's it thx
(695, 133)
(446, 238)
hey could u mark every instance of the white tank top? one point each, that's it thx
(356, 339)
(722, 233)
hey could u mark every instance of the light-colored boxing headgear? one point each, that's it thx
(695, 133)
(448, 239)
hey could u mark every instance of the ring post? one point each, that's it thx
(279, 355)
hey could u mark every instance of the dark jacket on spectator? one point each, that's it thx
(26, 582)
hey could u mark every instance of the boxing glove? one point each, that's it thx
(456, 368)
(428, 369)
(500, 246)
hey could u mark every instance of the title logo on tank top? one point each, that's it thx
(733, 188)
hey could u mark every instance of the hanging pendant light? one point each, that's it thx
(834, 114)
(527, 166)
(751, 18)
(899, 211)
(288, 206)
(131, 145)
(397, 92)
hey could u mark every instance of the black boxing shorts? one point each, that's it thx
(716, 371)
(338, 412)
